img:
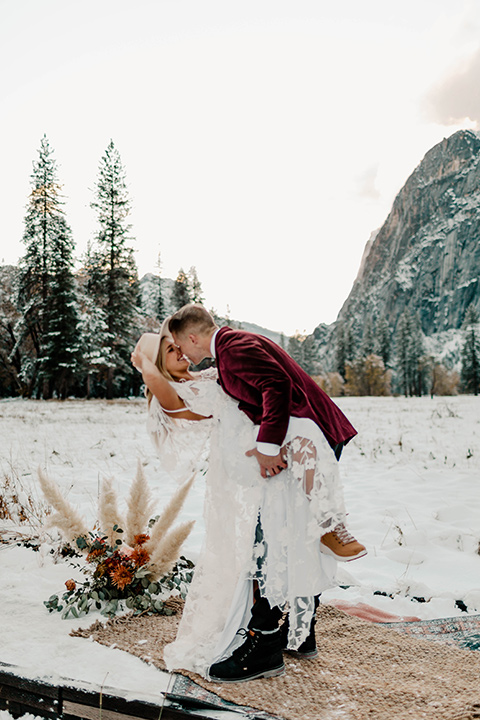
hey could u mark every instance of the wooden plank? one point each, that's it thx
(95, 712)
(22, 695)
(73, 697)
(9, 679)
(80, 703)
(77, 711)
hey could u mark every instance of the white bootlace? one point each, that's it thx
(343, 535)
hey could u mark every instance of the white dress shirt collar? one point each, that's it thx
(212, 343)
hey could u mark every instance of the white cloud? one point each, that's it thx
(457, 97)
(366, 184)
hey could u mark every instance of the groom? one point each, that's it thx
(270, 388)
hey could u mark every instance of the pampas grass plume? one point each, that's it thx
(168, 516)
(140, 507)
(108, 513)
(167, 551)
(65, 518)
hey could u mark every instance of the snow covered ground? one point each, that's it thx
(412, 487)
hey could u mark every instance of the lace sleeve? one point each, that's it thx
(200, 395)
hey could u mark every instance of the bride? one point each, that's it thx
(261, 535)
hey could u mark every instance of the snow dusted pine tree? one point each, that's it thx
(112, 272)
(60, 361)
(344, 347)
(471, 352)
(160, 300)
(195, 286)
(181, 290)
(309, 357)
(10, 358)
(367, 338)
(409, 342)
(46, 289)
(382, 340)
(295, 348)
(93, 330)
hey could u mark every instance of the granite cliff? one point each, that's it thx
(426, 256)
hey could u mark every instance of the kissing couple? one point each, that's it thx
(274, 510)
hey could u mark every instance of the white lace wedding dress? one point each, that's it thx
(296, 508)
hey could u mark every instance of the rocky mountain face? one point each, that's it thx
(426, 256)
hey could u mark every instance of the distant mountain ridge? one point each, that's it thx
(426, 256)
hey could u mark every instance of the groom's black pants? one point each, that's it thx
(266, 618)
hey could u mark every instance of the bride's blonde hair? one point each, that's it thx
(153, 345)
(159, 363)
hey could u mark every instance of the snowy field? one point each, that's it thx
(412, 488)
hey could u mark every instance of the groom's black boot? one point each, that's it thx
(260, 655)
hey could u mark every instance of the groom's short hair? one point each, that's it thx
(191, 317)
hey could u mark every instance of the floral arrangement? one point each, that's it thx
(130, 562)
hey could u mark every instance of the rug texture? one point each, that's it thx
(364, 671)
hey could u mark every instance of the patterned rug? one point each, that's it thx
(364, 671)
(461, 631)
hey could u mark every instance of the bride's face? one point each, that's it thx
(174, 361)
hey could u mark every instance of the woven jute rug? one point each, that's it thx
(364, 671)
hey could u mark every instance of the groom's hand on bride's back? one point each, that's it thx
(269, 464)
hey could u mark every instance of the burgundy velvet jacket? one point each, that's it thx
(271, 387)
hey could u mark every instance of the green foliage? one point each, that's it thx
(410, 354)
(115, 582)
(46, 287)
(181, 291)
(112, 279)
(382, 340)
(470, 373)
(345, 347)
(194, 286)
(367, 338)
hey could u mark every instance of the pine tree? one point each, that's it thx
(309, 355)
(160, 303)
(416, 355)
(46, 293)
(340, 355)
(470, 373)
(382, 340)
(112, 272)
(93, 330)
(194, 286)
(367, 338)
(10, 358)
(181, 290)
(344, 347)
(61, 354)
(409, 343)
(295, 348)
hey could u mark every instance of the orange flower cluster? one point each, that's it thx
(140, 556)
(97, 549)
(120, 566)
(121, 576)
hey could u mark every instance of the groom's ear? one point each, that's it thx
(193, 338)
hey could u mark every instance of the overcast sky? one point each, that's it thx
(263, 140)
